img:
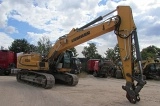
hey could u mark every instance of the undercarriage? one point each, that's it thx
(45, 80)
(66, 78)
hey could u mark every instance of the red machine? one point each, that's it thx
(8, 60)
(102, 68)
(98, 67)
(90, 65)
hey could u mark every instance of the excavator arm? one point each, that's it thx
(123, 26)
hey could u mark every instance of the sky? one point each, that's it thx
(33, 19)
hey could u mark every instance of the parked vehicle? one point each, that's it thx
(90, 65)
(151, 68)
(102, 68)
(8, 61)
(116, 70)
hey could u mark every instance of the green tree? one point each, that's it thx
(74, 51)
(117, 52)
(44, 45)
(150, 51)
(113, 54)
(91, 51)
(110, 54)
(20, 45)
(33, 48)
(98, 56)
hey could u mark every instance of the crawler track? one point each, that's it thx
(44, 80)
(73, 79)
(66, 78)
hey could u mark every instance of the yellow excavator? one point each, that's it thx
(151, 68)
(57, 64)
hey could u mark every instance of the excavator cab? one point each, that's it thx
(65, 62)
(67, 59)
(76, 65)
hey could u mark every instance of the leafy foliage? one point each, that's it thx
(91, 51)
(33, 48)
(150, 51)
(113, 54)
(20, 45)
(44, 45)
(110, 54)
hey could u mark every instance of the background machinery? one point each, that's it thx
(151, 68)
(8, 61)
(97, 67)
(116, 70)
(102, 68)
(56, 65)
(90, 65)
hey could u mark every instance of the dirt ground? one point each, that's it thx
(90, 91)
